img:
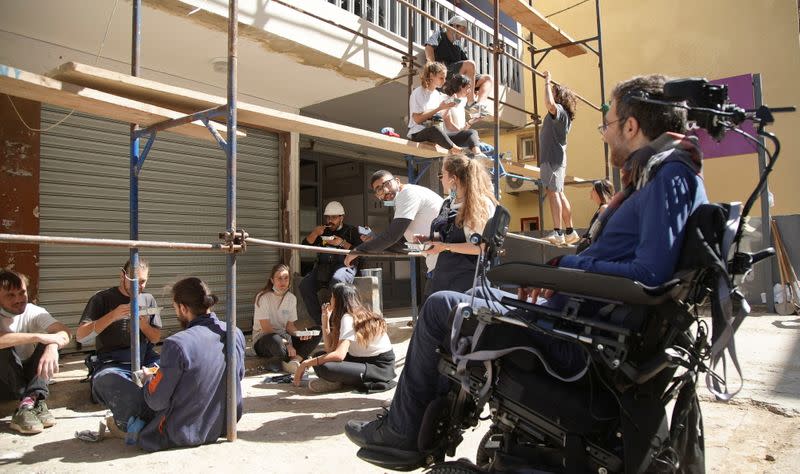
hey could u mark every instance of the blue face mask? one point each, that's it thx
(388, 203)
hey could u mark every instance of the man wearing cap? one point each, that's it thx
(446, 46)
(330, 268)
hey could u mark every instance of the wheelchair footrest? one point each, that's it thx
(393, 459)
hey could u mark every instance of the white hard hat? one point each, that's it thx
(334, 208)
(458, 21)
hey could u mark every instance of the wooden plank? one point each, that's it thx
(188, 101)
(18, 83)
(540, 26)
(534, 172)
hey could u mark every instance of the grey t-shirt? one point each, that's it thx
(553, 138)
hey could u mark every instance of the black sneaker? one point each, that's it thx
(377, 434)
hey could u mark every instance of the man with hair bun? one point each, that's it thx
(187, 395)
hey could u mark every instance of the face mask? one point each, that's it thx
(7, 314)
(388, 203)
(280, 292)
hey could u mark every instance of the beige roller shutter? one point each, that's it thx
(84, 193)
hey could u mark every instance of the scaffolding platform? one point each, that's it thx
(540, 26)
(188, 101)
(27, 85)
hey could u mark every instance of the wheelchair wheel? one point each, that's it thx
(462, 466)
(484, 456)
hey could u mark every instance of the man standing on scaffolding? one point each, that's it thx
(446, 46)
(560, 103)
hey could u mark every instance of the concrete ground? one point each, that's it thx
(289, 430)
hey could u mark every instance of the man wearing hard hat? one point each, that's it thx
(329, 268)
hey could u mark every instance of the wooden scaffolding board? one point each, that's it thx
(540, 26)
(27, 85)
(189, 101)
(534, 172)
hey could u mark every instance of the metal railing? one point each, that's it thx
(393, 16)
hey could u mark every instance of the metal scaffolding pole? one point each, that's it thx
(136, 31)
(230, 335)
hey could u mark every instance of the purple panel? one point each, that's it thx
(740, 92)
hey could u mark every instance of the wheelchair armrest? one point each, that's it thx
(595, 286)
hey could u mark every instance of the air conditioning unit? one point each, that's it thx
(514, 185)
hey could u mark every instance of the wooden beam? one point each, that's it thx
(534, 172)
(18, 83)
(540, 26)
(188, 101)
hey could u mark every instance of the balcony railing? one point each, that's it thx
(393, 16)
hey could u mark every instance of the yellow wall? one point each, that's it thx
(682, 38)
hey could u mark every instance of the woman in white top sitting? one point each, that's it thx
(273, 323)
(470, 204)
(455, 119)
(358, 351)
(427, 104)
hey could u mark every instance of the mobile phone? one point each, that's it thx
(307, 332)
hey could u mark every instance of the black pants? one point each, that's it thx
(271, 345)
(360, 372)
(464, 138)
(18, 379)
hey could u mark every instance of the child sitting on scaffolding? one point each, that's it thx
(426, 123)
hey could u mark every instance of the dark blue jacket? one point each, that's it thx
(188, 394)
(643, 238)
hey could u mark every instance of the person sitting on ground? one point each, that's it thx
(188, 393)
(640, 237)
(470, 204)
(560, 102)
(601, 193)
(415, 207)
(274, 319)
(329, 268)
(29, 342)
(426, 104)
(446, 46)
(358, 352)
(106, 322)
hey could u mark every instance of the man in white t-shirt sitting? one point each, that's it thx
(415, 207)
(29, 342)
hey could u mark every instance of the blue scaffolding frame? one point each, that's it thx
(231, 235)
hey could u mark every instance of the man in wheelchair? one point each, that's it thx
(557, 401)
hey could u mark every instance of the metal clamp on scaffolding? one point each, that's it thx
(498, 47)
(234, 242)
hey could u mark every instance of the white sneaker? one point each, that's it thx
(555, 238)
(324, 386)
(290, 367)
(572, 238)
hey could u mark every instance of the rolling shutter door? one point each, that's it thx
(182, 198)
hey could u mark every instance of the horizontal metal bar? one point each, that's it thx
(208, 113)
(441, 23)
(46, 240)
(312, 248)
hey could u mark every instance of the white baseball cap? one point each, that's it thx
(334, 208)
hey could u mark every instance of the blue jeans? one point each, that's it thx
(309, 287)
(420, 382)
(113, 387)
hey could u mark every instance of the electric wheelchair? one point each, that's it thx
(634, 407)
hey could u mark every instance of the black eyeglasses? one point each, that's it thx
(440, 175)
(603, 127)
(381, 190)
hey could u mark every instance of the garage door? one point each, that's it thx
(182, 198)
